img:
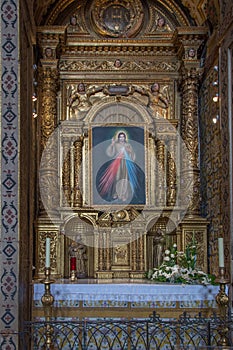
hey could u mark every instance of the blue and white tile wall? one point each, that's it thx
(9, 237)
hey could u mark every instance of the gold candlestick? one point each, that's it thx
(73, 275)
(47, 301)
(222, 300)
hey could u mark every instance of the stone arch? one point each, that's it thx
(111, 111)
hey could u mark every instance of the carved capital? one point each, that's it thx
(188, 40)
(49, 39)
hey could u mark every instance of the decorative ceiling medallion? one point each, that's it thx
(117, 18)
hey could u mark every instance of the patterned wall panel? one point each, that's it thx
(211, 170)
(9, 175)
(226, 122)
(216, 146)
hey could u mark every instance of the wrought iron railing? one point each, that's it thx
(154, 333)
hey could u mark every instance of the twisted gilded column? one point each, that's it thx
(171, 171)
(134, 252)
(77, 194)
(141, 252)
(160, 173)
(108, 251)
(100, 252)
(66, 171)
(190, 175)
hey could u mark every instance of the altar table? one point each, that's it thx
(129, 299)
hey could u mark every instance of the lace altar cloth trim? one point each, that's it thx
(84, 290)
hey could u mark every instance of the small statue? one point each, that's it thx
(158, 247)
(78, 249)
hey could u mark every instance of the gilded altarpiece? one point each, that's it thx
(112, 83)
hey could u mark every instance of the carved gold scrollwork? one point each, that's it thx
(189, 122)
(100, 252)
(198, 235)
(134, 251)
(189, 131)
(53, 235)
(47, 110)
(48, 79)
(66, 195)
(77, 195)
(160, 173)
(48, 167)
(117, 19)
(107, 251)
(171, 172)
(107, 65)
(141, 252)
(120, 254)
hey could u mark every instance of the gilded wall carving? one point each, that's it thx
(109, 82)
(118, 19)
(104, 65)
(48, 82)
(54, 256)
(226, 73)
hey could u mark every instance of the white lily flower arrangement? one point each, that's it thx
(180, 267)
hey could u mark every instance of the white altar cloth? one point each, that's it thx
(129, 291)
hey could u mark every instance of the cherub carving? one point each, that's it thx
(158, 99)
(79, 101)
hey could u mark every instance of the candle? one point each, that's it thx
(73, 263)
(220, 253)
(47, 252)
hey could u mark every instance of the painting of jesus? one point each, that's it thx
(118, 163)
